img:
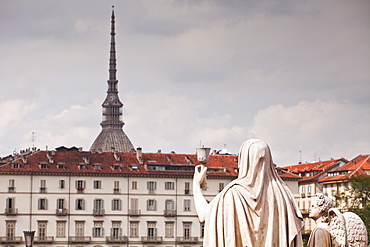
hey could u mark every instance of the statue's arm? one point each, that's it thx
(201, 204)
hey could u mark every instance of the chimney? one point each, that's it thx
(139, 155)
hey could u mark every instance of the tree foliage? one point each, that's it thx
(360, 198)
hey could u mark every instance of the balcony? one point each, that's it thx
(11, 211)
(151, 191)
(116, 191)
(303, 195)
(79, 240)
(116, 239)
(61, 212)
(134, 212)
(187, 192)
(80, 190)
(151, 240)
(11, 189)
(187, 240)
(169, 212)
(43, 240)
(305, 211)
(98, 212)
(10, 240)
(42, 189)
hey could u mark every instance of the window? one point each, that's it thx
(80, 184)
(97, 167)
(134, 229)
(308, 189)
(62, 184)
(116, 231)
(60, 203)
(187, 230)
(151, 186)
(152, 230)
(82, 167)
(10, 229)
(221, 187)
(98, 205)
(41, 229)
(169, 185)
(187, 188)
(10, 206)
(61, 166)
(302, 189)
(80, 204)
(170, 208)
(61, 229)
(11, 187)
(80, 228)
(43, 166)
(202, 230)
(98, 230)
(151, 205)
(134, 185)
(43, 204)
(16, 165)
(116, 189)
(97, 184)
(186, 205)
(116, 204)
(42, 186)
(169, 229)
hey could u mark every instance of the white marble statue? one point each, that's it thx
(333, 228)
(256, 209)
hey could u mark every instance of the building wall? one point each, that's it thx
(30, 190)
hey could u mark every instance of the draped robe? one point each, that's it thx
(256, 209)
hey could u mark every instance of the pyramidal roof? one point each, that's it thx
(112, 135)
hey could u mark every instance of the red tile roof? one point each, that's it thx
(357, 166)
(179, 164)
(315, 166)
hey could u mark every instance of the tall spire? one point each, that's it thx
(112, 58)
(112, 135)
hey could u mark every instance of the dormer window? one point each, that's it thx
(116, 167)
(43, 166)
(82, 167)
(97, 167)
(134, 168)
(16, 165)
(61, 166)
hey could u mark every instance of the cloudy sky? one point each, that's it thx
(293, 73)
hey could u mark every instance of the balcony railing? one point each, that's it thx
(42, 189)
(11, 211)
(11, 189)
(61, 212)
(80, 189)
(303, 195)
(187, 192)
(98, 212)
(187, 240)
(151, 191)
(151, 239)
(117, 239)
(43, 240)
(169, 212)
(116, 191)
(10, 240)
(134, 212)
(79, 239)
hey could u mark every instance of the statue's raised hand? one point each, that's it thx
(200, 176)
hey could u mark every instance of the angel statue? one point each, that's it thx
(333, 228)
